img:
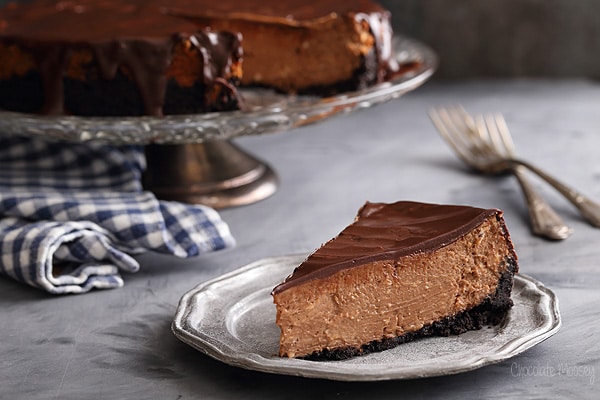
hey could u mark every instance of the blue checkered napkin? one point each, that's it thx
(72, 216)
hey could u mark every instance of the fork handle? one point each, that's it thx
(545, 222)
(589, 209)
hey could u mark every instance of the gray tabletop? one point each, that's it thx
(117, 344)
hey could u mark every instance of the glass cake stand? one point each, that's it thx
(192, 158)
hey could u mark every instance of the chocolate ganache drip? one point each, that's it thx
(147, 60)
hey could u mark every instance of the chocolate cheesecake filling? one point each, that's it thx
(488, 313)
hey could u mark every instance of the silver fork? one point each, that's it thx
(484, 143)
(588, 208)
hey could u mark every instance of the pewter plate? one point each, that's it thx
(232, 319)
(267, 111)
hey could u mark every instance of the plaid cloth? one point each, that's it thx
(72, 216)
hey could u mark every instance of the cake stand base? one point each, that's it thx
(215, 173)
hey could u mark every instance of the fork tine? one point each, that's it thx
(472, 132)
(456, 127)
(483, 139)
(481, 126)
(468, 119)
(493, 134)
(505, 135)
(457, 115)
(445, 124)
(451, 124)
(460, 119)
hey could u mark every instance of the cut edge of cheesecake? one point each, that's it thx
(400, 271)
(308, 48)
(488, 313)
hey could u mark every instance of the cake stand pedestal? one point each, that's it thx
(216, 173)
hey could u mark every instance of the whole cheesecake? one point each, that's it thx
(400, 271)
(156, 57)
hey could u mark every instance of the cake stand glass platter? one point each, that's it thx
(192, 158)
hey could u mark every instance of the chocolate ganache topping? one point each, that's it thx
(137, 34)
(389, 231)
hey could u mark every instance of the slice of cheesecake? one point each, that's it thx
(400, 271)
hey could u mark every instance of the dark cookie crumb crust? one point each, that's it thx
(490, 312)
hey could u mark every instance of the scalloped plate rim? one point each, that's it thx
(208, 344)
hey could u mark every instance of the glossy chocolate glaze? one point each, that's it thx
(388, 231)
(140, 35)
(276, 11)
(103, 19)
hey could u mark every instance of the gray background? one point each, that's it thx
(483, 38)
